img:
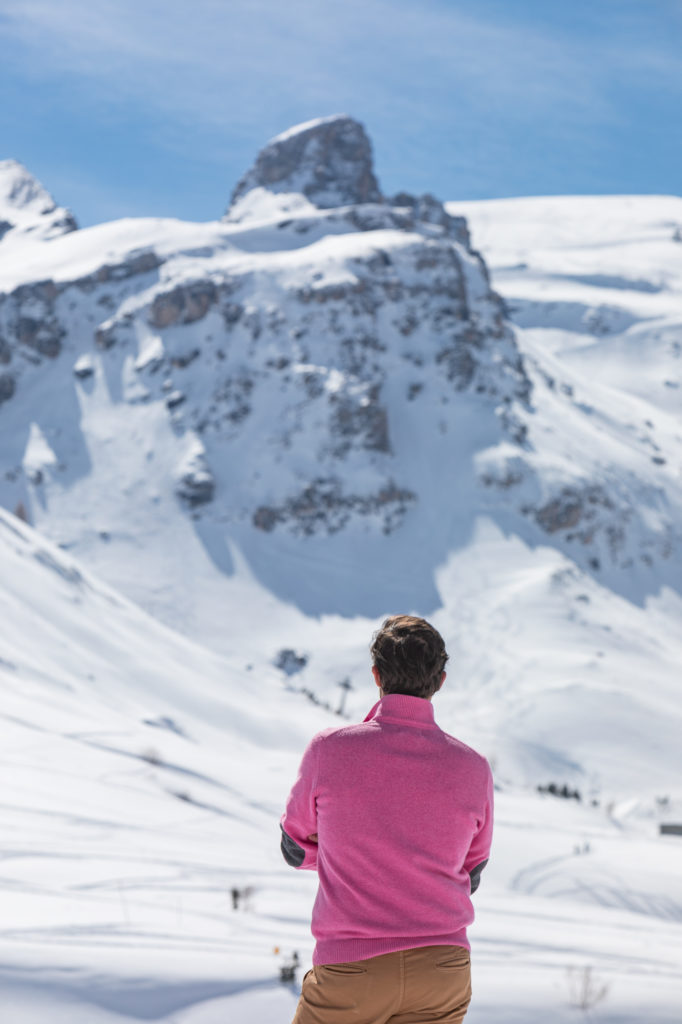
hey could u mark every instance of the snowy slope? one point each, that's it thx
(144, 779)
(594, 288)
(596, 281)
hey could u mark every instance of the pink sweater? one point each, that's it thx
(403, 814)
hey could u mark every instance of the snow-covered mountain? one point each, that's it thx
(268, 383)
(309, 412)
(268, 431)
(332, 383)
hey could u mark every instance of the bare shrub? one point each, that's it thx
(585, 989)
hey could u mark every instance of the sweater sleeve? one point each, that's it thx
(479, 850)
(300, 816)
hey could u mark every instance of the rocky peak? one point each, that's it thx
(20, 189)
(329, 161)
(26, 207)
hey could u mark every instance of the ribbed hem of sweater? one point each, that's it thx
(341, 951)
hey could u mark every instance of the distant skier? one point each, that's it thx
(287, 971)
(236, 894)
(396, 817)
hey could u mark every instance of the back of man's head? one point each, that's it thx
(409, 655)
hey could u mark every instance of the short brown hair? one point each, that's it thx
(410, 656)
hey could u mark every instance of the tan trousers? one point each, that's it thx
(412, 986)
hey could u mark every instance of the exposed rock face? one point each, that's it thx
(195, 482)
(35, 318)
(83, 367)
(26, 208)
(138, 262)
(28, 317)
(328, 160)
(7, 387)
(572, 507)
(324, 507)
(182, 304)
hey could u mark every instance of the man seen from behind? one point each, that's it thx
(396, 817)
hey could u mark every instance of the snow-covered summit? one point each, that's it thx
(328, 161)
(27, 208)
(301, 384)
(287, 371)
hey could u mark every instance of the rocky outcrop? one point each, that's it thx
(137, 263)
(7, 387)
(571, 508)
(426, 209)
(329, 161)
(324, 507)
(405, 212)
(43, 335)
(106, 333)
(612, 520)
(195, 483)
(183, 304)
(28, 319)
(609, 520)
(83, 367)
(359, 417)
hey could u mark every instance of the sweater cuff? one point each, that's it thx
(298, 854)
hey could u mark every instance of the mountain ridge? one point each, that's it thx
(299, 360)
(290, 329)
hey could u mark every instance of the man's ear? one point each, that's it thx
(442, 680)
(377, 677)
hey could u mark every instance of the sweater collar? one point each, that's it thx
(398, 707)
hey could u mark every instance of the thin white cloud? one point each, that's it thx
(425, 76)
(222, 62)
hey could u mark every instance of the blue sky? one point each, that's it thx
(156, 107)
